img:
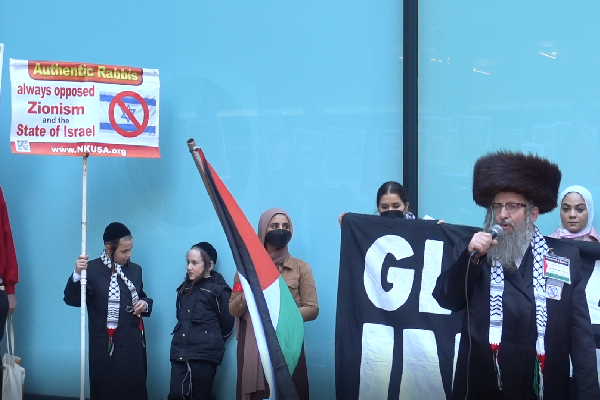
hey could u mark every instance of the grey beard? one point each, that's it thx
(511, 245)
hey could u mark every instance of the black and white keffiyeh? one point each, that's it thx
(114, 297)
(539, 249)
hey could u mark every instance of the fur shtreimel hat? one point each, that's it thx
(504, 171)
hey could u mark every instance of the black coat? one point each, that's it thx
(203, 320)
(568, 332)
(121, 376)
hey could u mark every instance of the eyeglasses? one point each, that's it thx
(509, 207)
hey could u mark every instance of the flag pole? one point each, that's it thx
(274, 360)
(192, 146)
(83, 274)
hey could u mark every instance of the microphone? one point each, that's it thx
(496, 232)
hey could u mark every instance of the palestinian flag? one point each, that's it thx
(277, 322)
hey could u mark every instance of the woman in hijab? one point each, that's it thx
(576, 215)
(275, 230)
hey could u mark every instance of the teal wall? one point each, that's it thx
(506, 75)
(297, 105)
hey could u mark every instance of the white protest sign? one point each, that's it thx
(1, 63)
(72, 109)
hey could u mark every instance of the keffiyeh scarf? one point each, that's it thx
(114, 298)
(539, 249)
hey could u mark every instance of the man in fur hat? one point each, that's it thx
(526, 311)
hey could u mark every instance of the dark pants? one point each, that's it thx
(3, 314)
(194, 383)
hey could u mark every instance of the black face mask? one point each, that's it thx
(393, 214)
(278, 238)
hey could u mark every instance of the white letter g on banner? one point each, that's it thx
(400, 278)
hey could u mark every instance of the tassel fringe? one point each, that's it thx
(111, 346)
(495, 348)
(538, 377)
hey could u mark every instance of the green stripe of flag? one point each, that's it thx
(290, 327)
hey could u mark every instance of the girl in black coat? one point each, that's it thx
(203, 326)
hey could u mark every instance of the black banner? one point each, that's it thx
(392, 338)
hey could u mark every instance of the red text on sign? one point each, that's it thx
(25, 130)
(79, 132)
(66, 92)
(36, 107)
(34, 90)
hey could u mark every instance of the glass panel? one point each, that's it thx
(498, 76)
(297, 105)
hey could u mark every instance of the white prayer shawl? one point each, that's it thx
(539, 249)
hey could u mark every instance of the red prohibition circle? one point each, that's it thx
(118, 99)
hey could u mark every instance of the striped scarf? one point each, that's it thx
(539, 249)
(114, 298)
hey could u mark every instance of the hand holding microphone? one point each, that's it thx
(483, 241)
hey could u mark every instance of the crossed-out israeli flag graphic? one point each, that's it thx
(131, 120)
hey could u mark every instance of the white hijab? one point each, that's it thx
(587, 197)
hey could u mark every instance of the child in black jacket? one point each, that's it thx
(203, 326)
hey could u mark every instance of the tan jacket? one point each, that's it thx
(299, 278)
